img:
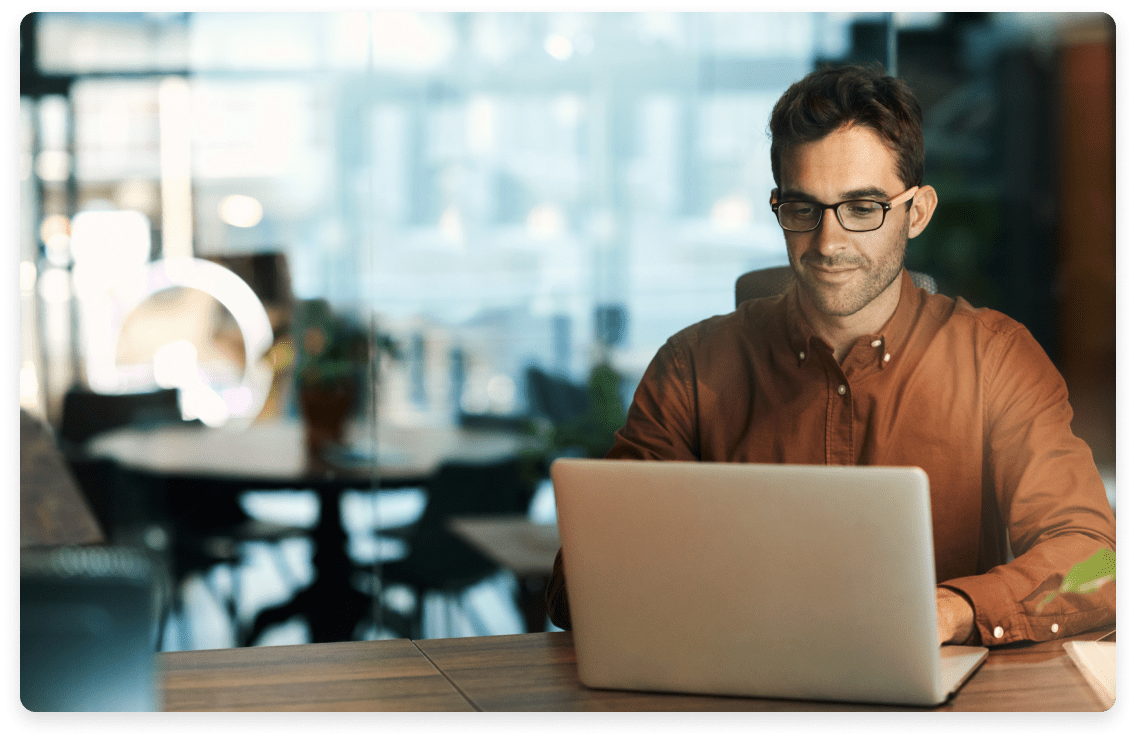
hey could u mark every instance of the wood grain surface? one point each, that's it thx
(381, 675)
(537, 672)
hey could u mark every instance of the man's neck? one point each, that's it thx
(842, 331)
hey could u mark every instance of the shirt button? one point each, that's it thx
(998, 632)
(876, 343)
(887, 357)
(1054, 628)
(841, 390)
(801, 355)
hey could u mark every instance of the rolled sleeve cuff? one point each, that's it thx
(1000, 619)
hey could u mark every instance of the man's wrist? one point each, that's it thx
(959, 614)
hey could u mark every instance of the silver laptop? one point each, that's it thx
(790, 581)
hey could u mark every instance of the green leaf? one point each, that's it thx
(1087, 576)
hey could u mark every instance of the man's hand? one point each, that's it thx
(956, 616)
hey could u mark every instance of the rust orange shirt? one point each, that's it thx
(966, 394)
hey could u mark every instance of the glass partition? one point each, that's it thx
(490, 189)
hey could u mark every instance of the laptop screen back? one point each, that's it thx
(811, 582)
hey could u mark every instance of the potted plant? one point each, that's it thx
(332, 351)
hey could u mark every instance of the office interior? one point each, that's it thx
(493, 220)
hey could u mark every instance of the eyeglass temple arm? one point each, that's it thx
(905, 196)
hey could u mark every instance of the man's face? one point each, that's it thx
(841, 272)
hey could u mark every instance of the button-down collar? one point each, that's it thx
(885, 343)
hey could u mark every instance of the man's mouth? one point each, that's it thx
(832, 272)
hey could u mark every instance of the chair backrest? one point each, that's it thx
(464, 488)
(774, 280)
(87, 413)
(120, 503)
(555, 398)
(461, 488)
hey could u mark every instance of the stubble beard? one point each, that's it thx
(870, 280)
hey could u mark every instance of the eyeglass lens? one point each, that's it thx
(854, 215)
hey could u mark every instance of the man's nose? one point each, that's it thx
(830, 237)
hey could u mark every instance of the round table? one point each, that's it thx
(272, 456)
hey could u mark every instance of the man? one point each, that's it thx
(853, 365)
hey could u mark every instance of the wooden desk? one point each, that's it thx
(273, 456)
(537, 672)
(521, 546)
(384, 675)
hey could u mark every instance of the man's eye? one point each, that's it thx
(802, 210)
(861, 210)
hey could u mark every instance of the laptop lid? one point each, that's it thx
(793, 581)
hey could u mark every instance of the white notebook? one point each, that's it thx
(1097, 663)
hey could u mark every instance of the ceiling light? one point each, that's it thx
(545, 222)
(241, 210)
(559, 47)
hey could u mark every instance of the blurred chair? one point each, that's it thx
(87, 414)
(439, 562)
(511, 423)
(207, 529)
(583, 418)
(554, 398)
(773, 281)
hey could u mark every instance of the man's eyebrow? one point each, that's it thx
(871, 192)
(868, 192)
(786, 194)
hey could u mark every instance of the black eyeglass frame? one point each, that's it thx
(903, 197)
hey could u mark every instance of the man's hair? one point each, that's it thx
(828, 100)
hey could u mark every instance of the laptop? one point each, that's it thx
(789, 581)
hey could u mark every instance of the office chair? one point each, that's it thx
(439, 562)
(774, 280)
(87, 414)
(554, 397)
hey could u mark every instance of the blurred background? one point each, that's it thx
(516, 209)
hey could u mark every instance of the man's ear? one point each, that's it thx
(773, 195)
(922, 208)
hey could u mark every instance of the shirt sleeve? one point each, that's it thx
(556, 595)
(660, 426)
(662, 420)
(1051, 497)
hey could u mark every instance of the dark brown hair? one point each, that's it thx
(830, 99)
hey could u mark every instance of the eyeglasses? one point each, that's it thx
(854, 215)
